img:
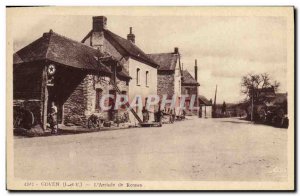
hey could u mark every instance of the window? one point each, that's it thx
(98, 98)
(137, 76)
(147, 77)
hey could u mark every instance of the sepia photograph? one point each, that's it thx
(150, 98)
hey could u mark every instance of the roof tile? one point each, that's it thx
(187, 79)
(166, 61)
(57, 48)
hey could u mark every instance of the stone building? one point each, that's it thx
(141, 68)
(189, 87)
(169, 74)
(57, 69)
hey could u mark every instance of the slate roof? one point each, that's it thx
(204, 100)
(57, 48)
(123, 73)
(106, 58)
(279, 98)
(166, 61)
(188, 79)
(130, 48)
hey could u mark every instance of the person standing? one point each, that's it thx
(159, 114)
(145, 114)
(53, 118)
(173, 115)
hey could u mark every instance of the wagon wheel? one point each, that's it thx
(17, 121)
(27, 119)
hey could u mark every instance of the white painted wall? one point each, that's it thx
(206, 111)
(177, 87)
(142, 89)
(177, 81)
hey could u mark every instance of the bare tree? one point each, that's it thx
(251, 83)
(276, 85)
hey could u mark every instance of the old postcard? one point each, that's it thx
(150, 98)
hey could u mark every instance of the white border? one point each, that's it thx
(4, 3)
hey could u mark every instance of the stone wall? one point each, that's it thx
(82, 102)
(75, 105)
(165, 84)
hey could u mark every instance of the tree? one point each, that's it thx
(252, 84)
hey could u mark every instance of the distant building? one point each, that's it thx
(261, 94)
(189, 86)
(205, 107)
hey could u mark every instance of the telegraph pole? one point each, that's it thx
(215, 100)
(252, 104)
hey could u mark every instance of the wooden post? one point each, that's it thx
(252, 103)
(44, 98)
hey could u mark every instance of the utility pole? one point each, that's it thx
(215, 95)
(215, 100)
(252, 104)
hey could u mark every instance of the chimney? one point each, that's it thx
(99, 23)
(131, 36)
(176, 51)
(196, 70)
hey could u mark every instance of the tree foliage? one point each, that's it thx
(252, 82)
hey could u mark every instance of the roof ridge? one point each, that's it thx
(161, 53)
(116, 41)
(48, 46)
(63, 36)
(141, 52)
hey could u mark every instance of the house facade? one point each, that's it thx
(169, 75)
(189, 88)
(205, 107)
(57, 69)
(135, 63)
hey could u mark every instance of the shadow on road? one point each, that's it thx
(237, 122)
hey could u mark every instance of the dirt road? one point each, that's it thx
(195, 149)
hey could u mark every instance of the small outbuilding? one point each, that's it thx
(71, 74)
(205, 107)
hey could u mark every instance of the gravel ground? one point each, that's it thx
(194, 149)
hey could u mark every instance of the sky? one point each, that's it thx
(226, 48)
